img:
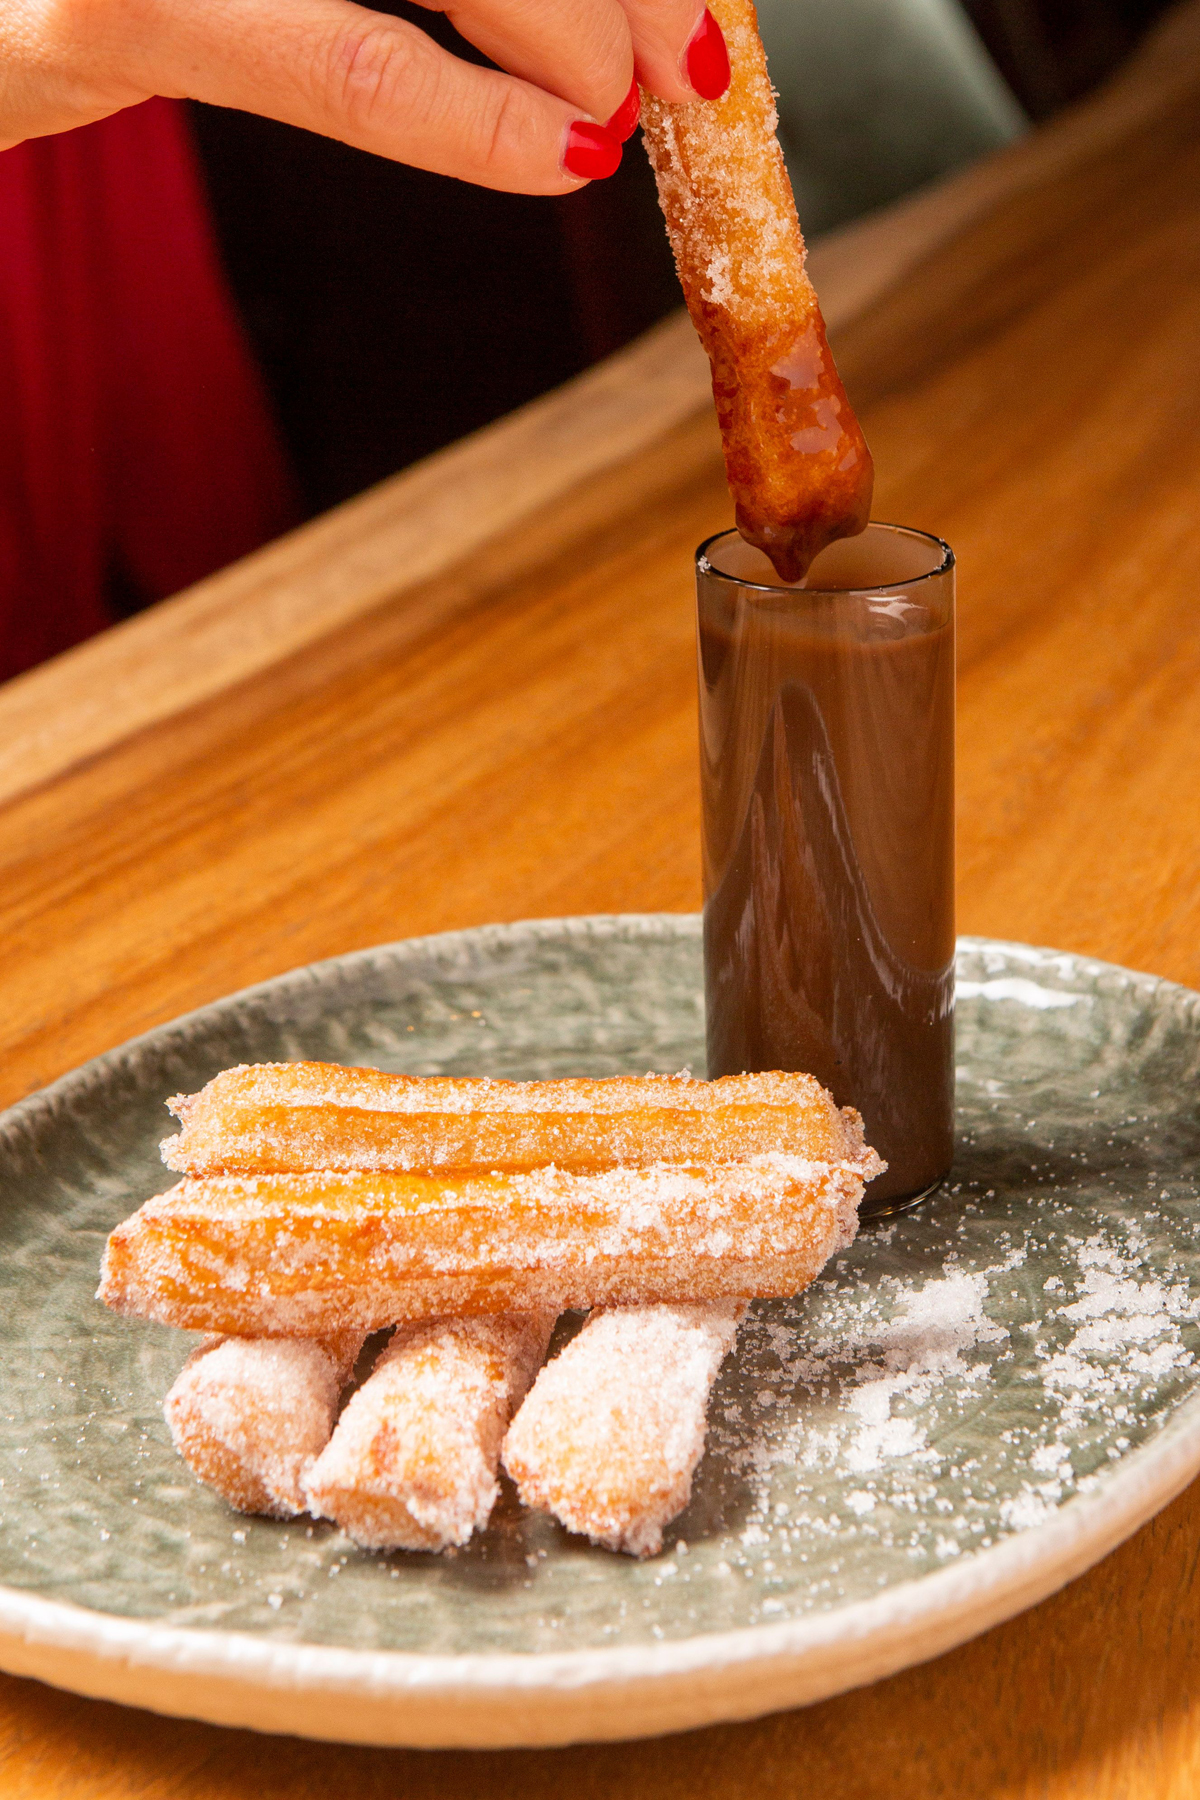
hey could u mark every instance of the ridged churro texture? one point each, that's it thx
(311, 1254)
(797, 463)
(275, 1118)
(251, 1415)
(412, 1463)
(610, 1436)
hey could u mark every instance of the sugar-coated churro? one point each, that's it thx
(610, 1436)
(250, 1415)
(276, 1118)
(310, 1254)
(321, 1203)
(412, 1463)
(797, 463)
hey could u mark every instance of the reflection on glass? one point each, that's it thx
(827, 719)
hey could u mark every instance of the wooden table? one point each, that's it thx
(468, 696)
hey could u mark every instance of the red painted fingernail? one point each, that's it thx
(706, 60)
(590, 151)
(623, 123)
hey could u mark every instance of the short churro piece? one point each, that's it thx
(279, 1118)
(412, 1463)
(611, 1434)
(250, 1415)
(797, 463)
(310, 1254)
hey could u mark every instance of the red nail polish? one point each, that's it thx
(623, 123)
(706, 60)
(590, 151)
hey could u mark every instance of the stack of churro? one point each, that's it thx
(320, 1204)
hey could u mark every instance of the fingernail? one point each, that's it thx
(590, 151)
(706, 60)
(623, 123)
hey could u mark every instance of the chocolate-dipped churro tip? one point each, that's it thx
(797, 463)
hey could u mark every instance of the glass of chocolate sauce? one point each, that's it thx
(827, 771)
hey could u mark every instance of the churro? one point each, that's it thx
(308, 1254)
(251, 1415)
(412, 1463)
(277, 1118)
(795, 457)
(610, 1436)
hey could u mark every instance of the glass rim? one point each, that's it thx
(947, 562)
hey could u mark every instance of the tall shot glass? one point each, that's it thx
(827, 774)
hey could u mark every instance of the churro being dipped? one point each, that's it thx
(412, 1463)
(250, 1416)
(798, 466)
(612, 1431)
(277, 1118)
(308, 1254)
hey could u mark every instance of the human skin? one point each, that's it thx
(371, 80)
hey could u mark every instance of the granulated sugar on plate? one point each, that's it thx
(889, 1422)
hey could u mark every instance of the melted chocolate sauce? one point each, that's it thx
(827, 761)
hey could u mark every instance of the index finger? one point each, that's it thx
(381, 84)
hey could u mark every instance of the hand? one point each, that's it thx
(548, 119)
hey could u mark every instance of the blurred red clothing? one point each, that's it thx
(135, 431)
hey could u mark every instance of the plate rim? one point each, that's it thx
(509, 1698)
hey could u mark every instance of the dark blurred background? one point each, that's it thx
(1053, 51)
(393, 311)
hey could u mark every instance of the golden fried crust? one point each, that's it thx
(296, 1117)
(798, 466)
(312, 1254)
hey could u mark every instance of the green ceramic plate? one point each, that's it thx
(978, 1400)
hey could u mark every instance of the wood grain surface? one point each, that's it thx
(379, 547)
(512, 733)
